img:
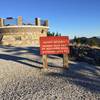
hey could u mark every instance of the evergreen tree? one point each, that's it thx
(53, 34)
(92, 43)
(75, 39)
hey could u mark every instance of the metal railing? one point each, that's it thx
(10, 21)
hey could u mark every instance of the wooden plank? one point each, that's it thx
(45, 63)
(65, 61)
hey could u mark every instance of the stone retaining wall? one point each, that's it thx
(23, 35)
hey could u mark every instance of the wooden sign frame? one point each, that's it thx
(54, 45)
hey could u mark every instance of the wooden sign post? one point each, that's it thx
(54, 45)
(65, 60)
(44, 58)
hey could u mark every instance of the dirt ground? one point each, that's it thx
(22, 67)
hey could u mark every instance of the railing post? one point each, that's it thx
(20, 20)
(37, 22)
(46, 22)
(1, 22)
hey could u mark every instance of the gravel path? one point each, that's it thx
(22, 77)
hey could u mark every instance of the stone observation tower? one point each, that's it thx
(13, 31)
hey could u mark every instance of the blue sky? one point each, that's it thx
(69, 17)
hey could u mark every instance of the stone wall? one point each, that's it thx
(22, 35)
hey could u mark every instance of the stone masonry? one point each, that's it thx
(20, 35)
